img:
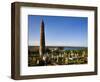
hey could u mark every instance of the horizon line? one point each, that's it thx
(58, 46)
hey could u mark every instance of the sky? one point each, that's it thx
(59, 30)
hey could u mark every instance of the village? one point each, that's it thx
(57, 56)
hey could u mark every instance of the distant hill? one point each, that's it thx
(36, 48)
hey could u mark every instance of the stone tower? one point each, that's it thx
(42, 39)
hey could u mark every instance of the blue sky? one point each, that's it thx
(59, 30)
